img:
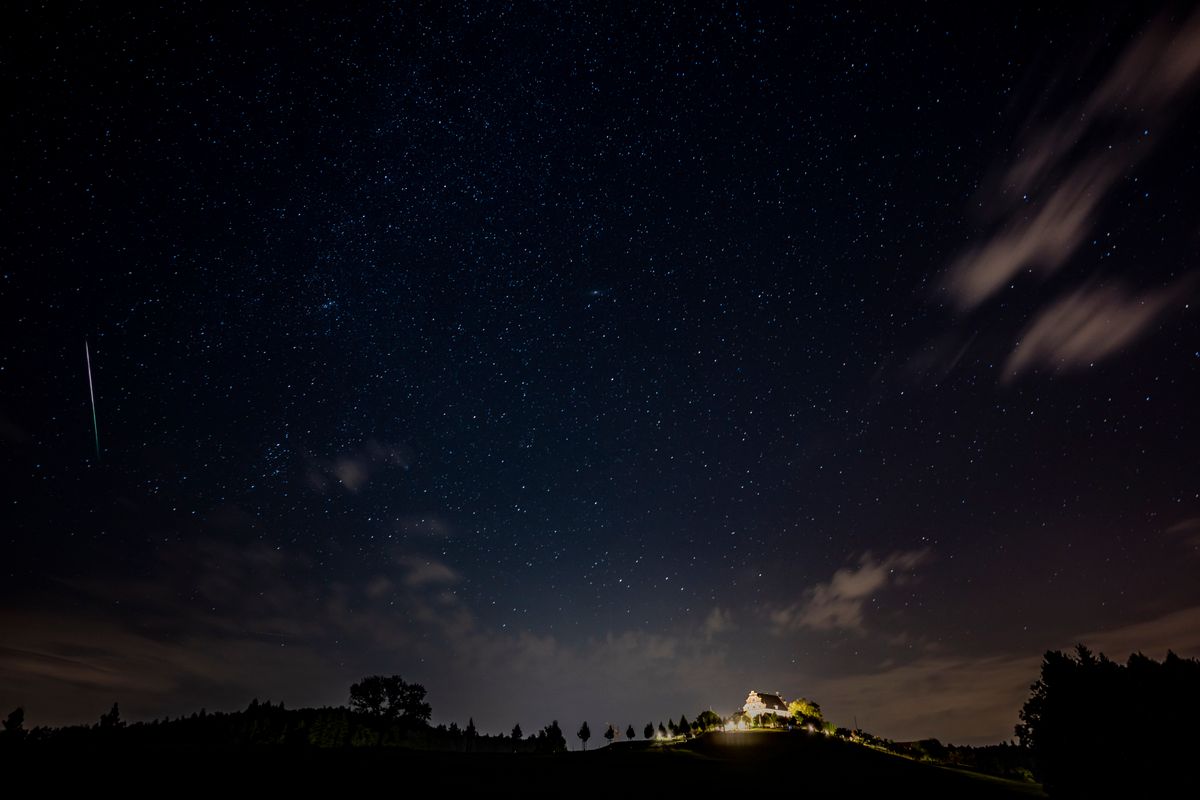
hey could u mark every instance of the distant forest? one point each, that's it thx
(268, 724)
(383, 712)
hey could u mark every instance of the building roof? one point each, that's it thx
(771, 701)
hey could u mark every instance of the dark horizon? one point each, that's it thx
(596, 364)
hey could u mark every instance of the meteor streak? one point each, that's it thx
(92, 393)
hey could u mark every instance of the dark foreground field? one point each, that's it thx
(721, 762)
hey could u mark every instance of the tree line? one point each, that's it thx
(383, 711)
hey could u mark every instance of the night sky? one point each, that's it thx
(603, 363)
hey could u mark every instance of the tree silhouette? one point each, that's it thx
(516, 732)
(1078, 723)
(662, 731)
(390, 698)
(551, 740)
(406, 700)
(111, 720)
(805, 712)
(584, 734)
(649, 731)
(14, 725)
(630, 733)
(610, 734)
(368, 696)
(470, 734)
(684, 727)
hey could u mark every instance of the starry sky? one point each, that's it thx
(596, 362)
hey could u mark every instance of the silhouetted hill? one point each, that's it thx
(805, 761)
(715, 762)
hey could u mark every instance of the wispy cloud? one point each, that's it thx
(839, 603)
(1085, 326)
(1188, 533)
(352, 470)
(718, 621)
(220, 623)
(426, 572)
(1081, 154)
(378, 587)
(1043, 242)
(960, 700)
(1176, 630)
(1046, 202)
(974, 700)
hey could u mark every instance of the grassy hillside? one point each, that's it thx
(718, 762)
(727, 761)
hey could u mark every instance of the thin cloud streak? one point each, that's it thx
(1044, 242)
(838, 604)
(1089, 324)
(1047, 200)
(1156, 71)
(427, 572)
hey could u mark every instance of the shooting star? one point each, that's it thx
(92, 393)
